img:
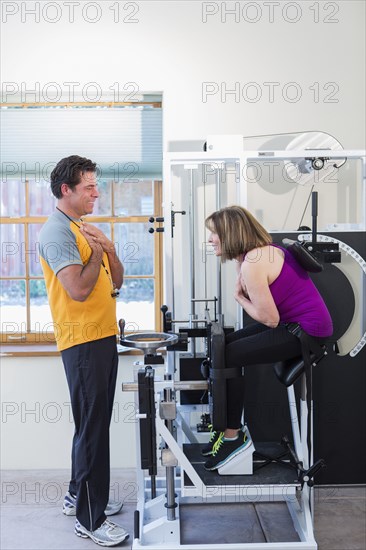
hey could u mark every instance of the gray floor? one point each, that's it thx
(31, 518)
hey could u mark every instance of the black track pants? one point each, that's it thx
(91, 371)
(254, 345)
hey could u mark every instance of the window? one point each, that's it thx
(127, 199)
(122, 214)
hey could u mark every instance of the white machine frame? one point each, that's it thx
(240, 158)
(159, 531)
(158, 528)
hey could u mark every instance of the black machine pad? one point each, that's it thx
(217, 393)
(302, 255)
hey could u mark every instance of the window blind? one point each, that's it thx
(126, 142)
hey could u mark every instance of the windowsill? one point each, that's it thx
(39, 350)
(29, 350)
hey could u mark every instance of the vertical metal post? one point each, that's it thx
(219, 283)
(295, 422)
(192, 242)
(363, 227)
(363, 191)
(304, 422)
(168, 263)
(170, 482)
(242, 199)
(314, 214)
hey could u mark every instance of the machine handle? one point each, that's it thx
(308, 475)
(167, 319)
(122, 324)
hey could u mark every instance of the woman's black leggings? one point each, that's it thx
(254, 345)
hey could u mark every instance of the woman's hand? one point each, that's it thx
(241, 293)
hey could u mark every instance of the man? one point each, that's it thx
(83, 274)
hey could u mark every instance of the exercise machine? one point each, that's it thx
(179, 503)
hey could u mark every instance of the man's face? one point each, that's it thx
(82, 198)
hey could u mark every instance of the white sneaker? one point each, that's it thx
(108, 534)
(69, 506)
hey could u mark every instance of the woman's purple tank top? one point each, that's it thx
(298, 300)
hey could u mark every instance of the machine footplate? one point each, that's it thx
(271, 474)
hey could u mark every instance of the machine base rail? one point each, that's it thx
(228, 524)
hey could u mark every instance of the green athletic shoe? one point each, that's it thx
(207, 449)
(225, 450)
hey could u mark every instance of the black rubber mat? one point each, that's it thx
(236, 523)
(272, 474)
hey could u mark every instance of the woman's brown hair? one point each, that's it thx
(238, 231)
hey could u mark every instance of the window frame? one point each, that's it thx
(34, 337)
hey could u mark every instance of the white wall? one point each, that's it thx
(36, 419)
(170, 49)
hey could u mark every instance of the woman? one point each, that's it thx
(274, 290)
